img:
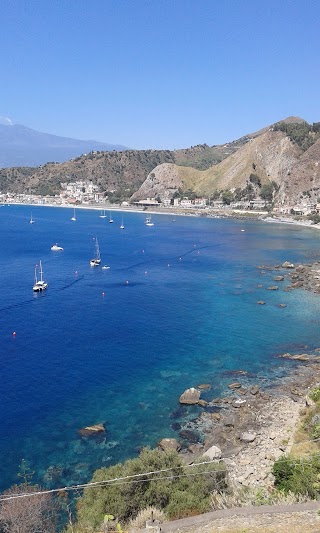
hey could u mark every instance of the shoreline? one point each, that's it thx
(253, 435)
(258, 216)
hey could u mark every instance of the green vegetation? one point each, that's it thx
(178, 491)
(314, 217)
(298, 476)
(227, 197)
(253, 178)
(299, 473)
(301, 133)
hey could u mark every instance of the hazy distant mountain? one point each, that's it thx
(22, 146)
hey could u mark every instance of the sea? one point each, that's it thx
(118, 346)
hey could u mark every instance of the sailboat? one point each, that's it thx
(122, 225)
(103, 214)
(74, 218)
(97, 259)
(110, 219)
(39, 285)
(31, 219)
(149, 221)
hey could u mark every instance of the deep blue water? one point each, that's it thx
(187, 315)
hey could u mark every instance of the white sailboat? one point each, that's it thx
(97, 259)
(32, 221)
(39, 285)
(74, 218)
(149, 221)
(110, 218)
(103, 214)
(122, 224)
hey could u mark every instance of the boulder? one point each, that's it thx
(169, 444)
(213, 453)
(235, 385)
(190, 396)
(92, 431)
(248, 436)
(286, 264)
(261, 302)
(254, 390)
(273, 288)
(202, 403)
(239, 403)
(278, 278)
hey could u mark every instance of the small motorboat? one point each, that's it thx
(56, 248)
(105, 267)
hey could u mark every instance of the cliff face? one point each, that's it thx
(271, 156)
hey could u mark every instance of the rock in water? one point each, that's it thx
(169, 444)
(190, 396)
(92, 431)
(286, 264)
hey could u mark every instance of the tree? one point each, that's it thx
(266, 192)
(27, 514)
(227, 197)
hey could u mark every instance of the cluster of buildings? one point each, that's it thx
(86, 192)
(78, 192)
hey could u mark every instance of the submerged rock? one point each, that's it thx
(92, 431)
(235, 385)
(278, 278)
(204, 386)
(261, 302)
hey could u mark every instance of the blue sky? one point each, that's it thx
(158, 73)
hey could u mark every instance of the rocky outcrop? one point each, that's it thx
(213, 452)
(169, 444)
(190, 396)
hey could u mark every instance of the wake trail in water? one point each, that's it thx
(33, 300)
(170, 258)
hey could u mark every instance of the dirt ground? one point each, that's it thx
(295, 522)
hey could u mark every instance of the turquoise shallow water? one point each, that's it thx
(187, 315)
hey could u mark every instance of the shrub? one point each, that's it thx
(315, 394)
(178, 492)
(298, 476)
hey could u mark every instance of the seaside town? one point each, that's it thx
(86, 193)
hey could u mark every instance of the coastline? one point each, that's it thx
(262, 216)
(268, 413)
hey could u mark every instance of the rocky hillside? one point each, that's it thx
(278, 164)
(122, 172)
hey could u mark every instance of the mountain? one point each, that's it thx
(22, 146)
(279, 164)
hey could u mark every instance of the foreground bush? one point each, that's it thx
(178, 492)
(30, 514)
(298, 476)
